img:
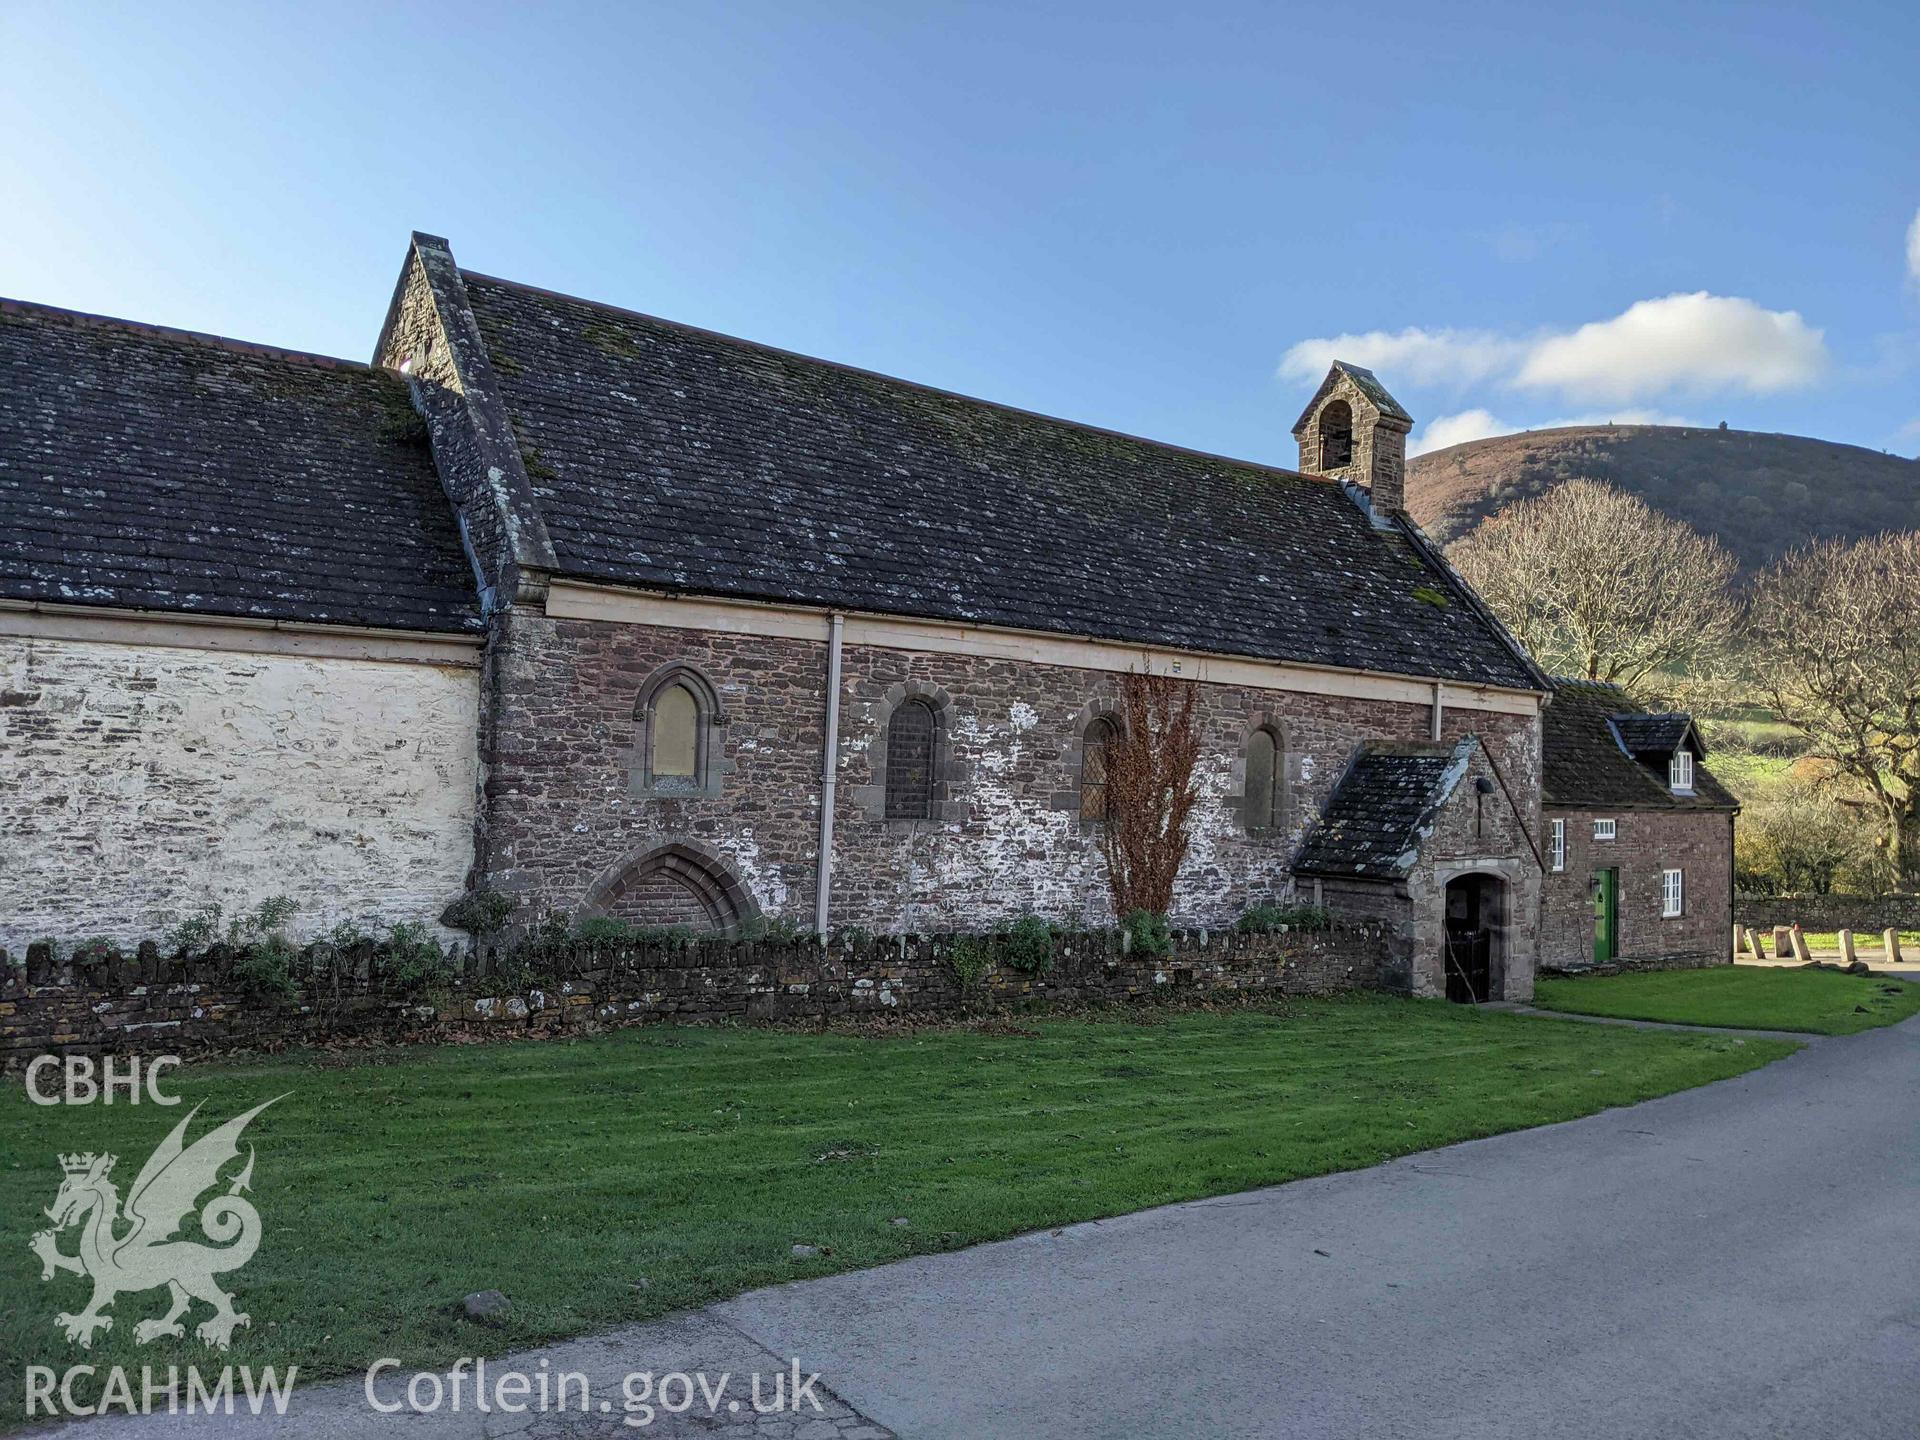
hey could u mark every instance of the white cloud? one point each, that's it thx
(1445, 430)
(1413, 356)
(1695, 343)
(1690, 344)
(1913, 247)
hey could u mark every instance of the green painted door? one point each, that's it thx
(1606, 916)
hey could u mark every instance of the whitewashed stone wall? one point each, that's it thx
(137, 784)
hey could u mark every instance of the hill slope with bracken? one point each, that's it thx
(1760, 495)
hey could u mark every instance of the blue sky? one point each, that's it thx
(1158, 218)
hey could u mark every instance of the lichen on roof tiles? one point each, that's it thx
(691, 461)
(1383, 809)
(155, 469)
(1602, 750)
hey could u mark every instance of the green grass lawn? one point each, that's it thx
(1769, 733)
(621, 1176)
(1746, 772)
(1744, 996)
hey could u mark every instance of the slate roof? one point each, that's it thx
(1366, 382)
(1370, 386)
(1657, 733)
(158, 470)
(1383, 807)
(1587, 764)
(668, 457)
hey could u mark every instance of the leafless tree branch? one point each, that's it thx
(1596, 583)
(1835, 633)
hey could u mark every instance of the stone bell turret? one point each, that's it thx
(1354, 431)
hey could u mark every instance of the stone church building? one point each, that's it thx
(624, 617)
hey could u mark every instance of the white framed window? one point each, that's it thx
(1673, 894)
(1603, 829)
(1680, 772)
(1557, 846)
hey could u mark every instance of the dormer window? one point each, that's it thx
(1680, 772)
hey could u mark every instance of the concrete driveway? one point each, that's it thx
(1738, 1260)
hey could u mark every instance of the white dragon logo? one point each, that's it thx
(145, 1255)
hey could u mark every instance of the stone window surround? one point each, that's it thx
(1286, 775)
(1105, 705)
(1285, 764)
(948, 774)
(909, 776)
(711, 764)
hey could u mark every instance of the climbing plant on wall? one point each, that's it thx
(1150, 791)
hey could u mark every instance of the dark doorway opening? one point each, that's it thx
(1473, 923)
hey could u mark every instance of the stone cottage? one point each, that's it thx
(670, 626)
(1639, 836)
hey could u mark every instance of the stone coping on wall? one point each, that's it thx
(198, 1003)
(1867, 914)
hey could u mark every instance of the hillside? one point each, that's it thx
(1759, 494)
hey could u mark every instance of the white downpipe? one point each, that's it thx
(1439, 709)
(829, 775)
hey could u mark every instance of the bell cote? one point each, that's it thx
(1355, 432)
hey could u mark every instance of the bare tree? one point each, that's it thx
(1836, 634)
(1799, 838)
(1150, 791)
(1597, 583)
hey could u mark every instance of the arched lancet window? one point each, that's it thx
(1336, 436)
(910, 732)
(680, 744)
(675, 733)
(1093, 768)
(1263, 806)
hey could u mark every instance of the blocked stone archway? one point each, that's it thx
(678, 884)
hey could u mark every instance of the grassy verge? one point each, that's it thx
(1748, 997)
(1745, 771)
(618, 1177)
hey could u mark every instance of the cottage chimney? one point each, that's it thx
(1355, 432)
